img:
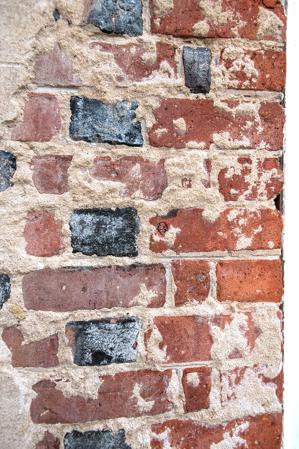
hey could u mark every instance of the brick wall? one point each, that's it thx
(140, 174)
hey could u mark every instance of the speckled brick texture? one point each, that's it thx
(141, 176)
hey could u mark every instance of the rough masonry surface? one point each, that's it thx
(104, 342)
(105, 232)
(94, 121)
(95, 439)
(197, 69)
(117, 16)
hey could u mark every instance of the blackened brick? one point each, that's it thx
(117, 16)
(95, 121)
(96, 439)
(197, 69)
(105, 232)
(102, 342)
(7, 169)
(4, 288)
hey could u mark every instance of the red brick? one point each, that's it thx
(236, 329)
(229, 18)
(179, 339)
(197, 386)
(230, 124)
(48, 442)
(247, 179)
(127, 394)
(249, 280)
(140, 62)
(42, 233)
(192, 281)
(140, 177)
(50, 173)
(41, 119)
(55, 68)
(188, 230)
(41, 353)
(237, 382)
(68, 289)
(253, 69)
(262, 432)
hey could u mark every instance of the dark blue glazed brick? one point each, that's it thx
(4, 288)
(197, 68)
(117, 16)
(95, 121)
(102, 342)
(105, 232)
(96, 439)
(7, 169)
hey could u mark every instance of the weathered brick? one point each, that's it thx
(192, 281)
(197, 386)
(97, 439)
(135, 63)
(5, 288)
(140, 177)
(102, 342)
(237, 383)
(42, 233)
(127, 394)
(95, 121)
(252, 69)
(226, 124)
(41, 353)
(247, 179)
(117, 16)
(105, 232)
(249, 280)
(54, 68)
(179, 339)
(48, 442)
(41, 121)
(50, 173)
(8, 167)
(197, 62)
(68, 289)
(249, 19)
(263, 432)
(190, 230)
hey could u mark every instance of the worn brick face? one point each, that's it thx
(49, 441)
(189, 230)
(41, 120)
(248, 179)
(263, 431)
(105, 232)
(253, 69)
(50, 174)
(41, 353)
(54, 68)
(103, 342)
(192, 281)
(249, 280)
(197, 386)
(105, 287)
(140, 177)
(95, 121)
(197, 70)
(228, 124)
(141, 62)
(127, 394)
(42, 233)
(229, 19)
(179, 339)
